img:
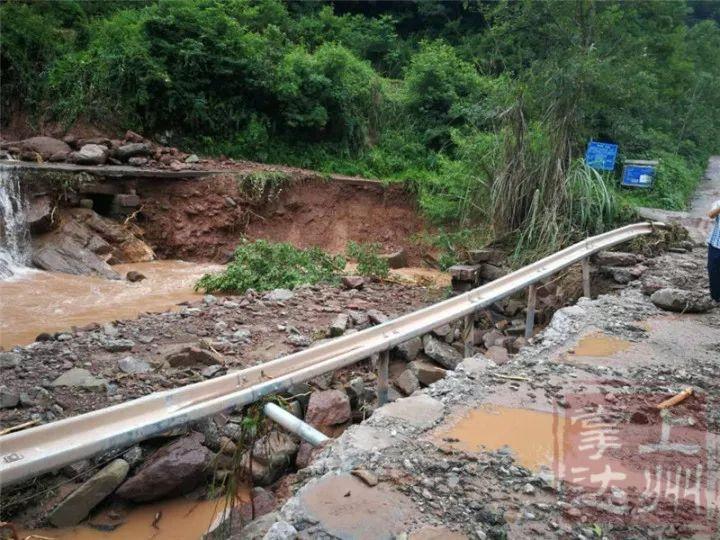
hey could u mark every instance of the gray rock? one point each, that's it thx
(256, 529)
(377, 317)
(90, 154)
(683, 301)
(175, 469)
(60, 253)
(241, 334)
(192, 158)
(126, 151)
(133, 456)
(134, 276)
(617, 258)
(76, 507)
(497, 354)
(272, 455)
(279, 295)
(9, 398)
(9, 360)
(185, 356)
(45, 146)
(339, 325)
(440, 352)
(117, 345)
(408, 350)
(281, 530)
(132, 365)
(80, 378)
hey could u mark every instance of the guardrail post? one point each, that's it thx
(586, 276)
(469, 334)
(382, 382)
(530, 317)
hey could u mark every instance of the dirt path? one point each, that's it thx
(708, 191)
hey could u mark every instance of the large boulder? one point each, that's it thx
(76, 507)
(90, 154)
(174, 469)
(441, 352)
(328, 408)
(45, 146)
(60, 253)
(408, 350)
(682, 301)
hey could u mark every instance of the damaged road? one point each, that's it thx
(564, 440)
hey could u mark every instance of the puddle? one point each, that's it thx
(533, 436)
(180, 519)
(599, 345)
(37, 301)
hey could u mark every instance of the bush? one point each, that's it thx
(369, 262)
(263, 266)
(441, 90)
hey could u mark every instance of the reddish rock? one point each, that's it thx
(499, 355)
(131, 136)
(328, 408)
(353, 282)
(263, 502)
(174, 469)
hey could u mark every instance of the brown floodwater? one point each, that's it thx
(533, 436)
(36, 301)
(176, 519)
(600, 345)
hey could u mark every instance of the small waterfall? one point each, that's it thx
(14, 233)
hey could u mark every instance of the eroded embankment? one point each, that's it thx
(205, 219)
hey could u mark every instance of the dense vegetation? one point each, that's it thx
(486, 107)
(263, 265)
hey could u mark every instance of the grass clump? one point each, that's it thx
(369, 261)
(263, 266)
(261, 187)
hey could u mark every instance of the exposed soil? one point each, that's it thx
(205, 219)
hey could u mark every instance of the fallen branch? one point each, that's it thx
(511, 377)
(677, 398)
(18, 427)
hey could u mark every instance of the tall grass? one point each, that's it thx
(542, 197)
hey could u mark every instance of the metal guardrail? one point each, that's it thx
(45, 448)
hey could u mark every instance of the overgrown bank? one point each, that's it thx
(440, 93)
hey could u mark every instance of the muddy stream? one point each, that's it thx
(34, 301)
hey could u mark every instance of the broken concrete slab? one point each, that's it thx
(335, 502)
(416, 411)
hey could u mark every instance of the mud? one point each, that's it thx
(532, 436)
(599, 345)
(175, 519)
(37, 301)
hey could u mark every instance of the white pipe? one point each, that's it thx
(294, 425)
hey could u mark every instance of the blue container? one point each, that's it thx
(639, 174)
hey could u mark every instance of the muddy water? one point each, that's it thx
(179, 519)
(600, 345)
(37, 302)
(533, 436)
